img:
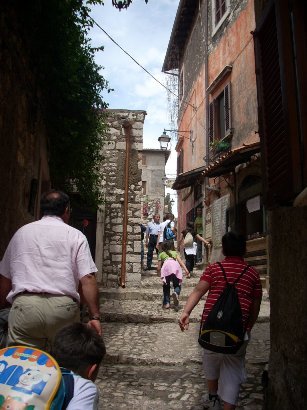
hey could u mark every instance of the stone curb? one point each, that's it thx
(137, 318)
(139, 361)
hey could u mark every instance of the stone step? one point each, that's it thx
(164, 344)
(144, 311)
(150, 311)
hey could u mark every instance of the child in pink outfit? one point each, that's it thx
(170, 267)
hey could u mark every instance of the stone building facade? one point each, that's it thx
(118, 239)
(219, 170)
(153, 181)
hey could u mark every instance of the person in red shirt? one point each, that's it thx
(226, 372)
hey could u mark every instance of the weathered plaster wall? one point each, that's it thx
(22, 133)
(110, 236)
(288, 289)
(233, 45)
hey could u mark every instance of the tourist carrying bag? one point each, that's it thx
(188, 240)
(223, 331)
(30, 379)
(168, 234)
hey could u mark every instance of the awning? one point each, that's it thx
(227, 162)
(223, 165)
(188, 178)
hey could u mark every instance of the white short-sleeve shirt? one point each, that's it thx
(86, 396)
(47, 256)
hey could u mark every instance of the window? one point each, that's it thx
(144, 187)
(220, 10)
(220, 116)
(180, 163)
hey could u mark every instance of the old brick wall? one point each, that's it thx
(22, 133)
(110, 220)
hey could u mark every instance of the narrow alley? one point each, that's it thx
(151, 364)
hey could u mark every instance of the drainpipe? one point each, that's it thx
(127, 129)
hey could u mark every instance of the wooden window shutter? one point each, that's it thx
(227, 109)
(276, 149)
(211, 122)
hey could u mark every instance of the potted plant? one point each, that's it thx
(219, 145)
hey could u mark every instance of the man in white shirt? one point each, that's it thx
(151, 239)
(45, 268)
(168, 219)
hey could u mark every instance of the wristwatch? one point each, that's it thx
(95, 317)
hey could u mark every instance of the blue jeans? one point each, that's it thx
(167, 287)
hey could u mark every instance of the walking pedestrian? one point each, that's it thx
(143, 230)
(188, 240)
(151, 241)
(170, 267)
(168, 221)
(45, 268)
(226, 372)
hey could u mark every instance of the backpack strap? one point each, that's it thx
(238, 278)
(69, 384)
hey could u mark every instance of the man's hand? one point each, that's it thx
(96, 325)
(89, 289)
(184, 321)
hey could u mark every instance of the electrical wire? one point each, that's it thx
(133, 59)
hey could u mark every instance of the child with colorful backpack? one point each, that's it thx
(170, 267)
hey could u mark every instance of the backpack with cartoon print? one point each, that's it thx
(30, 379)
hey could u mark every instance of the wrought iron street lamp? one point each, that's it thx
(123, 4)
(164, 140)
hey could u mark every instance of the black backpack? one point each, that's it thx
(223, 331)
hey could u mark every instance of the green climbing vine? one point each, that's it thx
(71, 86)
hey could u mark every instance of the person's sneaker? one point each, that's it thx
(175, 299)
(212, 402)
(166, 306)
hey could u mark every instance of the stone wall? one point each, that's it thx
(110, 238)
(288, 289)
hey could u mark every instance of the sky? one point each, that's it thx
(143, 30)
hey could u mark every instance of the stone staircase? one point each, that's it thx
(150, 363)
(143, 303)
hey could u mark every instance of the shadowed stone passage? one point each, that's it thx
(151, 364)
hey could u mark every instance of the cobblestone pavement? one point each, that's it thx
(151, 364)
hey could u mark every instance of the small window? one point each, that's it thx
(143, 159)
(220, 116)
(220, 10)
(180, 163)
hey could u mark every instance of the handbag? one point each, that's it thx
(188, 240)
